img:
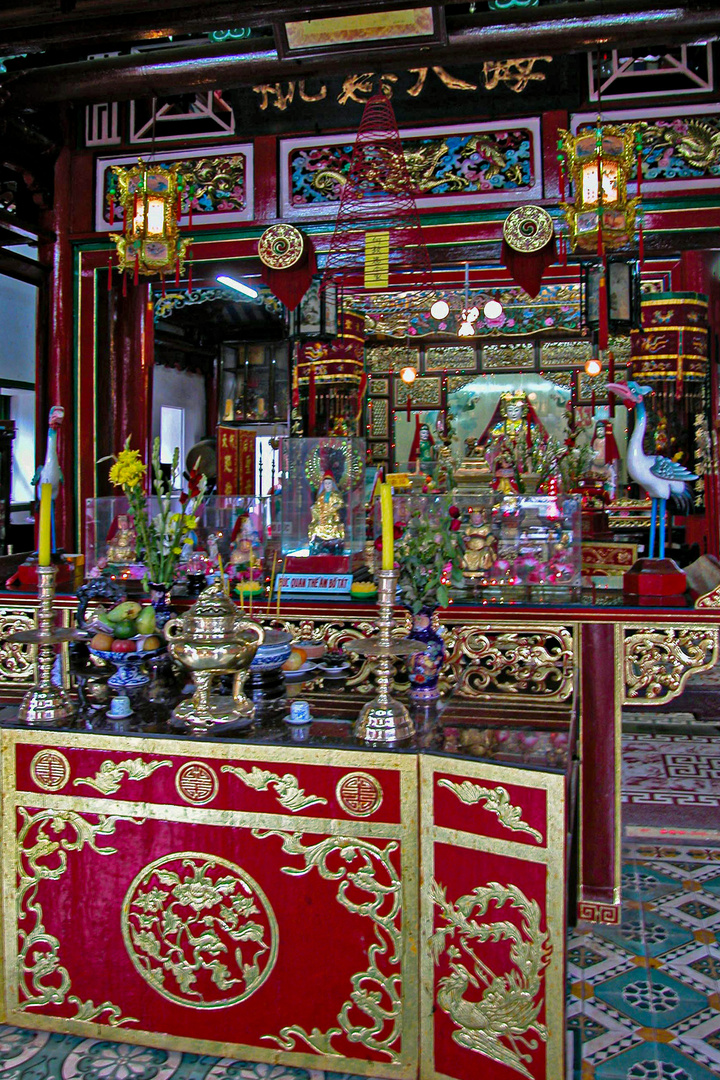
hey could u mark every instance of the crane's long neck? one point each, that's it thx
(635, 446)
(51, 447)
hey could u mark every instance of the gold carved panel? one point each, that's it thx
(391, 357)
(658, 661)
(17, 662)
(378, 409)
(517, 354)
(528, 663)
(424, 392)
(450, 358)
(567, 354)
(378, 386)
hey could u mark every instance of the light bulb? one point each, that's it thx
(593, 366)
(493, 309)
(408, 375)
(439, 310)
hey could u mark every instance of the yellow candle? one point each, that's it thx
(277, 613)
(44, 530)
(388, 536)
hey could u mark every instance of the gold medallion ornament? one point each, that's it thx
(196, 783)
(359, 794)
(50, 770)
(281, 246)
(199, 930)
(528, 229)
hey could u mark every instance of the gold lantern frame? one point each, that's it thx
(610, 151)
(149, 195)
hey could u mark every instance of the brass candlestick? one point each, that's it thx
(384, 719)
(45, 705)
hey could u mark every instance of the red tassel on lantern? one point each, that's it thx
(592, 399)
(125, 277)
(137, 268)
(611, 378)
(311, 403)
(162, 280)
(641, 244)
(112, 209)
(602, 311)
(611, 450)
(407, 407)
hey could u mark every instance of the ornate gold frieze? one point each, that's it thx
(567, 354)
(518, 354)
(495, 1012)
(110, 776)
(199, 930)
(287, 789)
(378, 411)
(658, 662)
(528, 663)
(450, 358)
(390, 357)
(424, 391)
(497, 801)
(44, 840)
(17, 661)
(376, 996)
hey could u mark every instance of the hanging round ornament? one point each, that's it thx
(281, 246)
(528, 229)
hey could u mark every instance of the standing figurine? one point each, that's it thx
(326, 532)
(50, 472)
(661, 478)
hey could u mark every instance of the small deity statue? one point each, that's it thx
(122, 548)
(505, 473)
(422, 451)
(242, 542)
(480, 545)
(327, 531)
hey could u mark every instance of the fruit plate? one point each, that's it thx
(129, 673)
(301, 672)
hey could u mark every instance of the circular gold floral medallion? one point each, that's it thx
(528, 228)
(199, 930)
(281, 246)
(50, 770)
(359, 794)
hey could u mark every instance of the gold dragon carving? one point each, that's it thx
(17, 660)
(497, 801)
(215, 178)
(659, 662)
(43, 844)
(495, 1013)
(376, 993)
(537, 663)
(110, 775)
(287, 789)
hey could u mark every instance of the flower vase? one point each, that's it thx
(424, 667)
(158, 599)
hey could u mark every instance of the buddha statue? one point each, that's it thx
(326, 532)
(122, 547)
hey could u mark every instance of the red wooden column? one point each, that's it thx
(600, 748)
(132, 333)
(57, 386)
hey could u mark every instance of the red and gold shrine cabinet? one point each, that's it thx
(255, 901)
(262, 902)
(493, 924)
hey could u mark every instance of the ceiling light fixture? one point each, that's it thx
(408, 375)
(239, 286)
(593, 367)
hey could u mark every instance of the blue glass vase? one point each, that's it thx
(424, 667)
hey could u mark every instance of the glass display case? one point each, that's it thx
(254, 382)
(230, 527)
(323, 505)
(516, 547)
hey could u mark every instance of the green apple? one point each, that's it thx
(125, 628)
(146, 620)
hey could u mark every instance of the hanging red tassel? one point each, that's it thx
(311, 403)
(109, 272)
(136, 272)
(641, 244)
(592, 399)
(124, 277)
(611, 378)
(602, 311)
(407, 407)
(162, 279)
(611, 450)
(112, 209)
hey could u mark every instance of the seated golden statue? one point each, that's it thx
(327, 531)
(480, 545)
(122, 548)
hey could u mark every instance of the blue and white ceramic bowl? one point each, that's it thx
(273, 652)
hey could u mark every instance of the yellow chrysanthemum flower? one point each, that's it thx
(128, 470)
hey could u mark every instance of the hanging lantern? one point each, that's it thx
(150, 196)
(599, 162)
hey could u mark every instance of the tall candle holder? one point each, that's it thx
(384, 719)
(45, 705)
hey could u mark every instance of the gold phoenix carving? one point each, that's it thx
(195, 923)
(376, 993)
(287, 789)
(497, 801)
(109, 777)
(43, 843)
(659, 662)
(495, 1013)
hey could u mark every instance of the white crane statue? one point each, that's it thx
(49, 472)
(661, 478)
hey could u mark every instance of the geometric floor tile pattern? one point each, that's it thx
(644, 997)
